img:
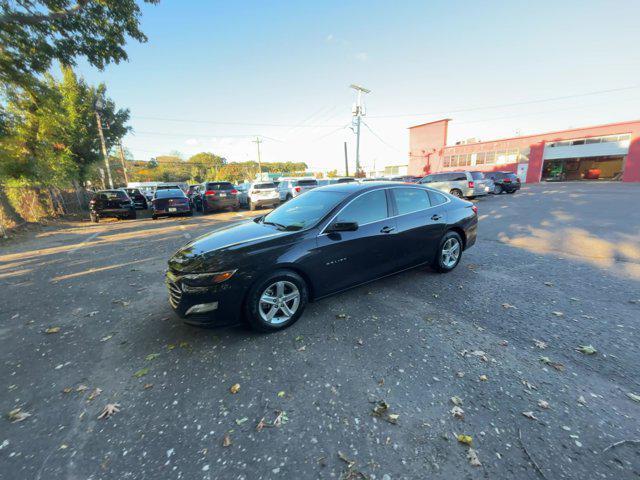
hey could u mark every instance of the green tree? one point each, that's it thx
(205, 165)
(34, 33)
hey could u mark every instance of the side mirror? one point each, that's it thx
(343, 227)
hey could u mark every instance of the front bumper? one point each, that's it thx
(215, 305)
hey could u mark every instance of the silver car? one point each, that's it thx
(289, 188)
(258, 194)
(467, 184)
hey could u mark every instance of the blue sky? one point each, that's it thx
(229, 70)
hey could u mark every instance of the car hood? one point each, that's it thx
(219, 249)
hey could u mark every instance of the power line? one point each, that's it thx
(505, 105)
(381, 139)
(246, 124)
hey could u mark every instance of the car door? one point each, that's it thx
(345, 259)
(439, 182)
(419, 224)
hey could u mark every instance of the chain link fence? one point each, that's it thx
(20, 205)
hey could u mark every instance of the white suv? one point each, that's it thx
(289, 188)
(258, 194)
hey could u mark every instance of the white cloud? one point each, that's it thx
(192, 142)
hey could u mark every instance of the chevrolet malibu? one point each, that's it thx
(318, 244)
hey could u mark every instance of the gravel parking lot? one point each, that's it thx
(556, 266)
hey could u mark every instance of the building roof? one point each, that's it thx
(431, 123)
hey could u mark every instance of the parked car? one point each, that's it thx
(289, 188)
(258, 194)
(139, 200)
(195, 197)
(111, 203)
(459, 184)
(169, 202)
(406, 179)
(318, 244)
(504, 182)
(219, 195)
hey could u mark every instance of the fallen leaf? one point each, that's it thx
(141, 373)
(92, 314)
(52, 330)
(240, 421)
(147, 386)
(548, 284)
(582, 401)
(151, 356)
(281, 417)
(281, 394)
(235, 388)
(299, 338)
(529, 385)
(556, 365)
(507, 306)
(107, 337)
(472, 456)
(81, 388)
(360, 342)
(530, 415)
(483, 378)
(94, 393)
(380, 408)
(540, 344)
(342, 315)
(558, 314)
(109, 409)
(633, 396)
(504, 343)
(456, 400)
(392, 418)
(302, 348)
(344, 458)
(587, 349)
(543, 404)
(466, 439)
(457, 412)
(226, 440)
(17, 415)
(184, 344)
(67, 390)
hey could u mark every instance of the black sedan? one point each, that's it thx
(139, 200)
(111, 203)
(320, 243)
(168, 202)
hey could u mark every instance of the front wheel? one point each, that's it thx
(497, 189)
(277, 301)
(449, 252)
(456, 193)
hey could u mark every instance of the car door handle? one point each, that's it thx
(387, 229)
(436, 217)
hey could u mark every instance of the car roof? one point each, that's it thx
(353, 187)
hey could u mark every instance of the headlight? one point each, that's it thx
(207, 279)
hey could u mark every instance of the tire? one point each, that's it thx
(456, 193)
(289, 197)
(268, 285)
(440, 263)
(94, 217)
(511, 191)
(154, 217)
(497, 189)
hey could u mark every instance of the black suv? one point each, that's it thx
(139, 200)
(111, 203)
(503, 182)
(219, 195)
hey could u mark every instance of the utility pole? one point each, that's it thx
(124, 165)
(98, 106)
(346, 161)
(358, 112)
(257, 141)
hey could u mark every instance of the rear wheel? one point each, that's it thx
(289, 197)
(154, 217)
(277, 301)
(456, 193)
(497, 189)
(94, 217)
(449, 252)
(511, 191)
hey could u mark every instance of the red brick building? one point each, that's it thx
(605, 151)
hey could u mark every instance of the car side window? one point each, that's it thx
(427, 179)
(437, 198)
(411, 200)
(367, 208)
(458, 177)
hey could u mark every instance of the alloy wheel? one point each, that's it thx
(279, 302)
(450, 252)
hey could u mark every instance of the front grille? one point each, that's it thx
(175, 294)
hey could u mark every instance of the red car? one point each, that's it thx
(170, 202)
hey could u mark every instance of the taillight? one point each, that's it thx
(471, 184)
(507, 180)
(475, 209)
(517, 180)
(297, 189)
(210, 192)
(234, 192)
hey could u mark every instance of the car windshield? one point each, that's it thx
(220, 186)
(166, 193)
(305, 210)
(477, 175)
(259, 186)
(115, 194)
(306, 183)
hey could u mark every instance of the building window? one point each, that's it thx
(446, 161)
(480, 158)
(454, 160)
(490, 158)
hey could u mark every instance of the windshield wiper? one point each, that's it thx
(279, 225)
